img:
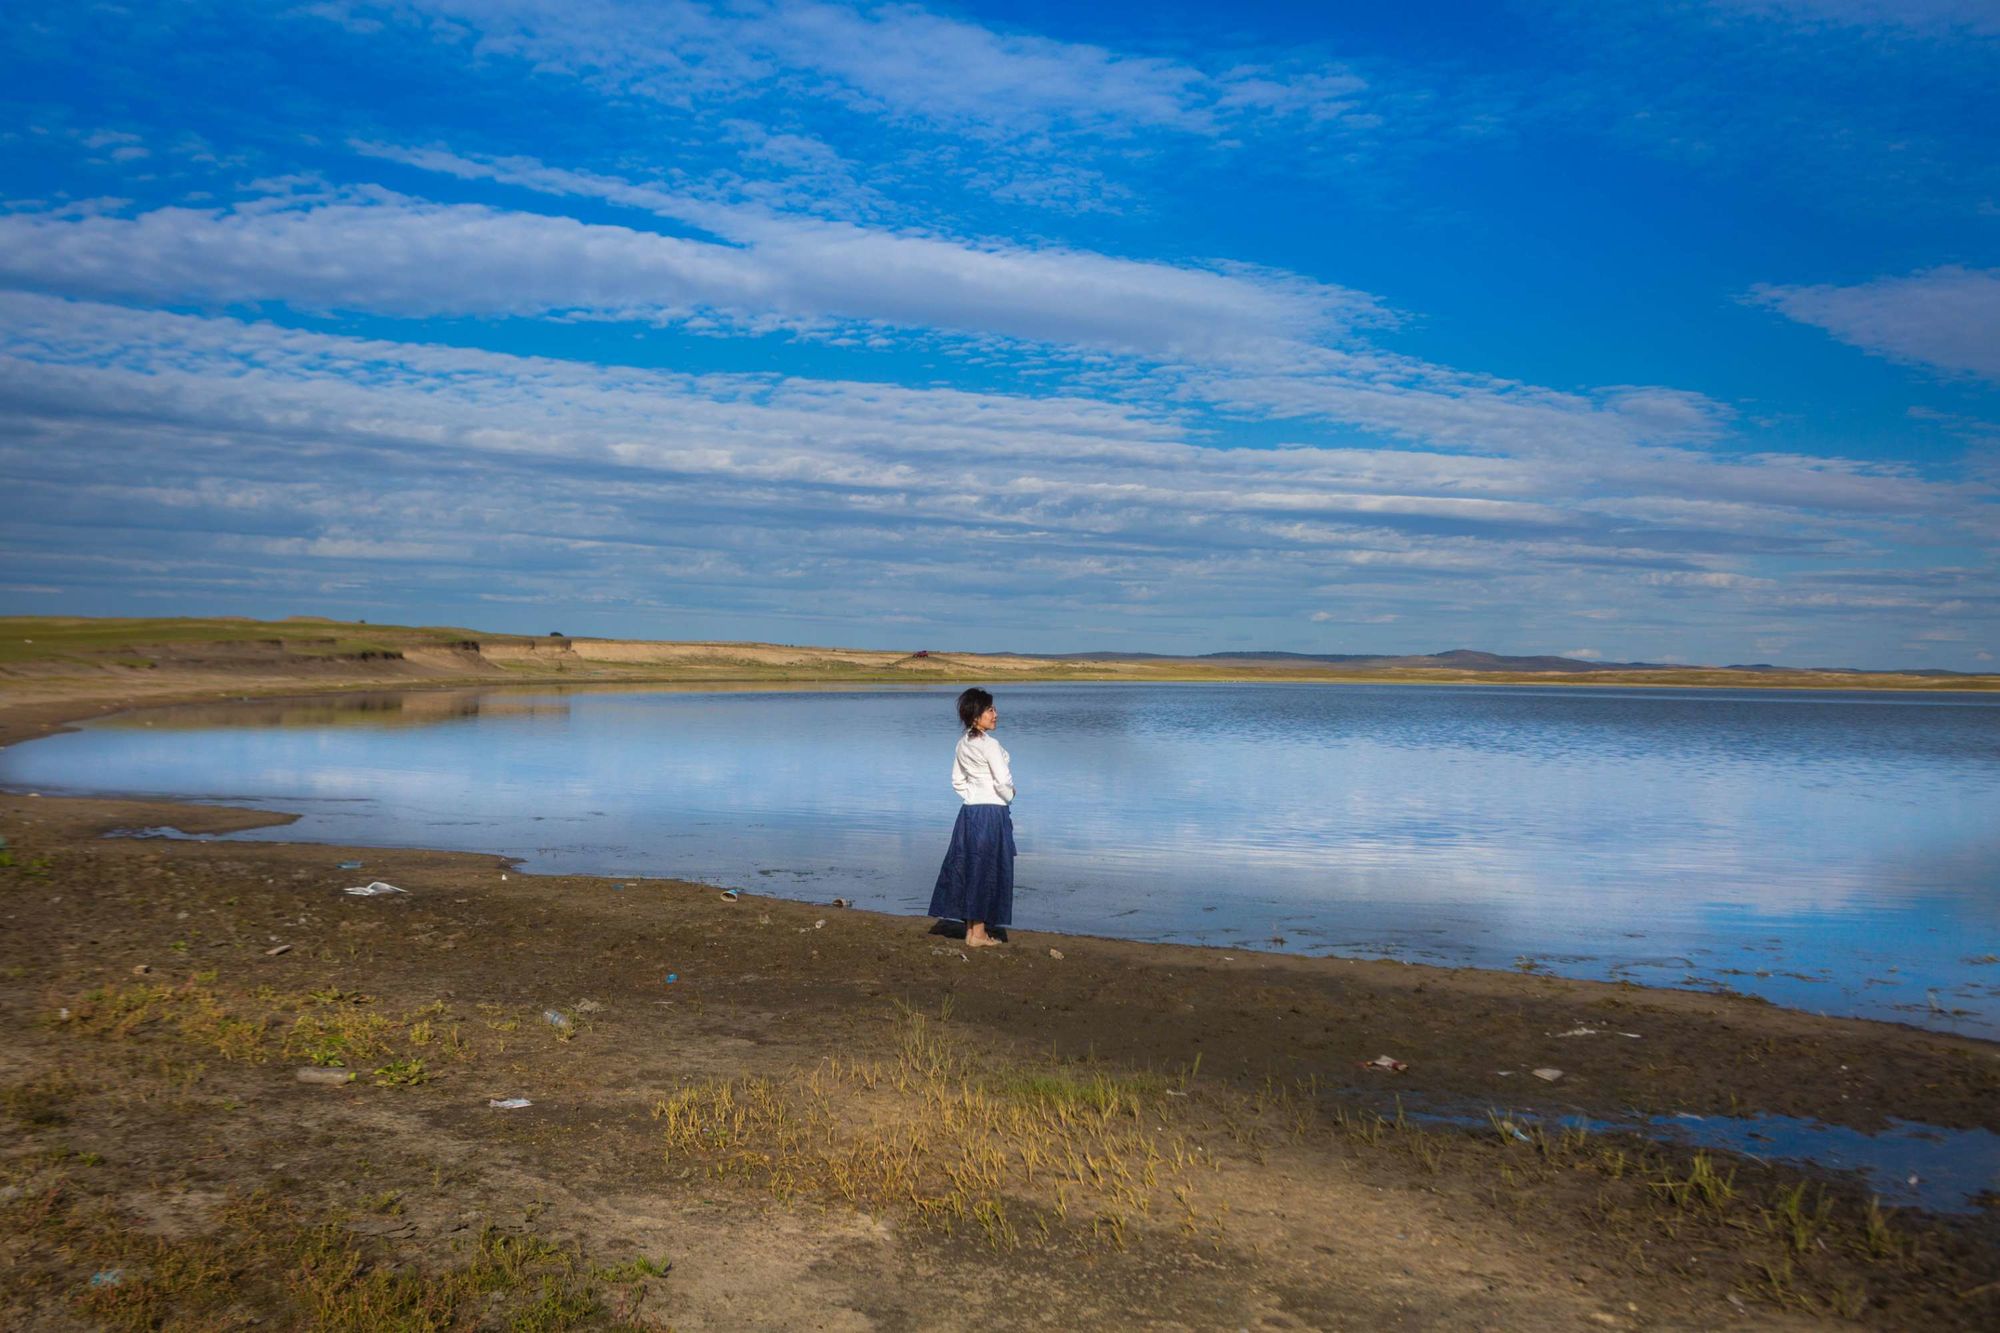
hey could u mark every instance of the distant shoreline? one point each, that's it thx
(55, 657)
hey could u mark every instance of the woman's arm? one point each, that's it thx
(1003, 773)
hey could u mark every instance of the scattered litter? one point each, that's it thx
(508, 1103)
(330, 1077)
(1503, 1073)
(503, 879)
(729, 895)
(142, 969)
(278, 949)
(557, 1019)
(588, 1007)
(62, 1015)
(1513, 1129)
(949, 952)
(842, 902)
(1387, 1062)
(110, 1277)
(820, 924)
(1547, 1075)
(348, 865)
(1175, 1092)
(672, 977)
(1578, 1032)
(615, 888)
(1056, 954)
(377, 889)
(1688, 1115)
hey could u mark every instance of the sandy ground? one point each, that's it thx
(833, 1119)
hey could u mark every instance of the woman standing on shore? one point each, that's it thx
(976, 883)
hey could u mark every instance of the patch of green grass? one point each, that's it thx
(402, 1074)
(264, 1258)
(634, 1271)
(33, 638)
(330, 1027)
(1706, 1185)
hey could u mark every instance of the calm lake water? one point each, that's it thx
(1833, 852)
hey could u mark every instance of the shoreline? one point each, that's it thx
(1272, 1042)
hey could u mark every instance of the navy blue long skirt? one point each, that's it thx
(976, 881)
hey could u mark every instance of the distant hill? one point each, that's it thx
(1465, 659)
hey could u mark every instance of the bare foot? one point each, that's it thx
(980, 942)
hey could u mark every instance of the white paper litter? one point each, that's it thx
(508, 1103)
(374, 890)
(1591, 1032)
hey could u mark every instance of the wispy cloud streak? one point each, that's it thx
(1946, 317)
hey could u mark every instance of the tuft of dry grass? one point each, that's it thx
(1010, 1156)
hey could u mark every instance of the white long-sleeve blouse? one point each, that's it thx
(980, 773)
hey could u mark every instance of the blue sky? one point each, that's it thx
(1660, 332)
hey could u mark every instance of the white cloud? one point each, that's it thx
(1581, 654)
(901, 62)
(1075, 469)
(1083, 467)
(398, 255)
(1245, 339)
(1946, 317)
(1717, 579)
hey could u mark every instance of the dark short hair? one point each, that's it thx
(971, 704)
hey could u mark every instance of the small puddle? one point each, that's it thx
(1944, 1170)
(1908, 1164)
(160, 831)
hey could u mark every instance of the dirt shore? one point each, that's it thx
(756, 1113)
